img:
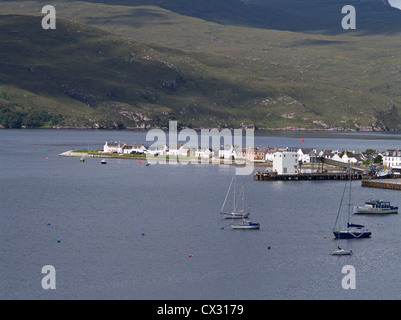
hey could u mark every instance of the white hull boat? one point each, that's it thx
(238, 213)
(235, 215)
(376, 206)
(246, 225)
(341, 252)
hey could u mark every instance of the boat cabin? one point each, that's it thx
(380, 204)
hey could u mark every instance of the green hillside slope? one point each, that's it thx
(200, 73)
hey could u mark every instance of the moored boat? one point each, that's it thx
(341, 252)
(235, 213)
(246, 224)
(376, 206)
(352, 231)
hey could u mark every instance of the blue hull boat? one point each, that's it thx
(348, 234)
(352, 231)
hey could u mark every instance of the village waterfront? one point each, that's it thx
(130, 231)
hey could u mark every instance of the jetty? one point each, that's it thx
(392, 184)
(273, 176)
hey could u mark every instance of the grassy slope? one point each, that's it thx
(229, 75)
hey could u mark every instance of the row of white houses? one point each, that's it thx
(119, 147)
(305, 155)
(390, 158)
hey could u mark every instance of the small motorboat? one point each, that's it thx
(376, 206)
(103, 162)
(82, 159)
(246, 224)
(341, 252)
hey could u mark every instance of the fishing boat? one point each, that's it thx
(103, 162)
(341, 252)
(376, 206)
(246, 224)
(235, 213)
(352, 231)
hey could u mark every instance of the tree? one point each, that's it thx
(378, 159)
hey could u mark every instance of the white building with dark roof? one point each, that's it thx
(392, 158)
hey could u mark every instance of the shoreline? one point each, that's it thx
(192, 160)
(166, 159)
(259, 129)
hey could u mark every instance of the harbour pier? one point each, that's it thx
(392, 184)
(273, 176)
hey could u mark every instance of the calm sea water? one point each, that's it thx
(125, 230)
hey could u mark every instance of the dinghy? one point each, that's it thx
(341, 252)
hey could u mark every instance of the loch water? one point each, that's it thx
(130, 231)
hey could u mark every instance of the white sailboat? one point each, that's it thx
(238, 213)
(235, 213)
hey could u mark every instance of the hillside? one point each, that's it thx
(374, 16)
(86, 77)
(139, 66)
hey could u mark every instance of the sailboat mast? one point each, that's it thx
(234, 205)
(243, 197)
(228, 192)
(350, 190)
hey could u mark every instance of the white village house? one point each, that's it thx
(134, 149)
(226, 152)
(203, 153)
(113, 147)
(304, 154)
(181, 151)
(158, 151)
(392, 158)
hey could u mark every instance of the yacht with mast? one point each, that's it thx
(235, 213)
(352, 230)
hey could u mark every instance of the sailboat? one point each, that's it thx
(246, 224)
(352, 230)
(235, 213)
